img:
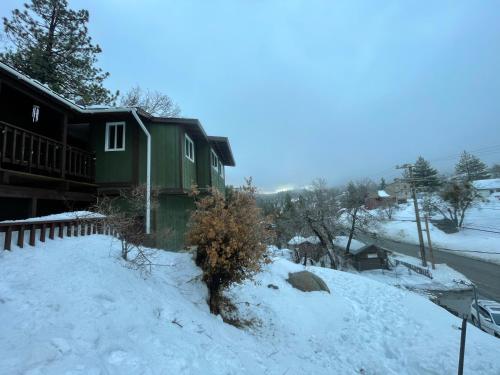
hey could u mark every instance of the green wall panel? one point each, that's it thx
(112, 166)
(173, 214)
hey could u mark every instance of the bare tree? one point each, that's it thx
(318, 209)
(388, 208)
(153, 102)
(124, 215)
(353, 201)
(453, 201)
(456, 199)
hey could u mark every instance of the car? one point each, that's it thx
(489, 313)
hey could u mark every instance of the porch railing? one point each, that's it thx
(26, 151)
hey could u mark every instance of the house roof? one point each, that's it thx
(299, 240)
(366, 248)
(223, 149)
(491, 183)
(221, 144)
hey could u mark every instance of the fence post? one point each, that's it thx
(52, 230)
(462, 346)
(8, 238)
(20, 236)
(42, 232)
(32, 234)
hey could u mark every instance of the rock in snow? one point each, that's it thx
(71, 306)
(307, 282)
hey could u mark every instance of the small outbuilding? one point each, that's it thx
(379, 199)
(487, 188)
(369, 257)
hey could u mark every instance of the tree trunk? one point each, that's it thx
(351, 233)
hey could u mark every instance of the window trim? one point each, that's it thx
(189, 140)
(215, 167)
(221, 169)
(106, 144)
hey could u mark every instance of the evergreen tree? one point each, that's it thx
(50, 43)
(495, 171)
(425, 176)
(383, 184)
(471, 168)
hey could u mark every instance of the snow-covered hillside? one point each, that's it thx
(478, 238)
(72, 307)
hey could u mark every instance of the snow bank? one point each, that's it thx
(71, 306)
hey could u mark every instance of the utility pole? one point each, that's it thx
(429, 241)
(409, 167)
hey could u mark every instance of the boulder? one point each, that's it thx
(307, 282)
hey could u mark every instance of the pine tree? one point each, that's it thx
(383, 184)
(50, 43)
(425, 176)
(495, 171)
(471, 168)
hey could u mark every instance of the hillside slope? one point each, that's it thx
(72, 307)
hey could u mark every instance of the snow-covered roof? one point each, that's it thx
(341, 241)
(382, 194)
(298, 240)
(491, 183)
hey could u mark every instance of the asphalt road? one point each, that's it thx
(485, 275)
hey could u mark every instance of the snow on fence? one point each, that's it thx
(40, 229)
(417, 269)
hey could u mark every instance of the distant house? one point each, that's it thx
(306, 248)
(378, 199)
(56, 155)
(487, 188)
(400, 190)
(369, 257)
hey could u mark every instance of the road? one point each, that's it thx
(485, 275)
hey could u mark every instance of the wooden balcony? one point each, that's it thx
(25, 151)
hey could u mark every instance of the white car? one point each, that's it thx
(489, 312)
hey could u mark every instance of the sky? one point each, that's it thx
(343, 90)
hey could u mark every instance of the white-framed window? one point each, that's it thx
(215, 160)
(115, 136)
(189, 148)
(221, 169)
(35, 113)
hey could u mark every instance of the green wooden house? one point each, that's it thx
(56, 155)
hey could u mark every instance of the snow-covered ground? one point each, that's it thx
(70, 306)
(479, 242)
(443, 277)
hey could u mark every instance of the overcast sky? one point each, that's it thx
(306, 89)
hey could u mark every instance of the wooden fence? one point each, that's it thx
(68, 227)
(417, 269)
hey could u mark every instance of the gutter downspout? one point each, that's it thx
(148, 171)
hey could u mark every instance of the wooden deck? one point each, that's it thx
(24, 151)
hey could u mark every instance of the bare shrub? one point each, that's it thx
(230, 235)
(124, 216)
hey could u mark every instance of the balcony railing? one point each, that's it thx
(23, 150)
